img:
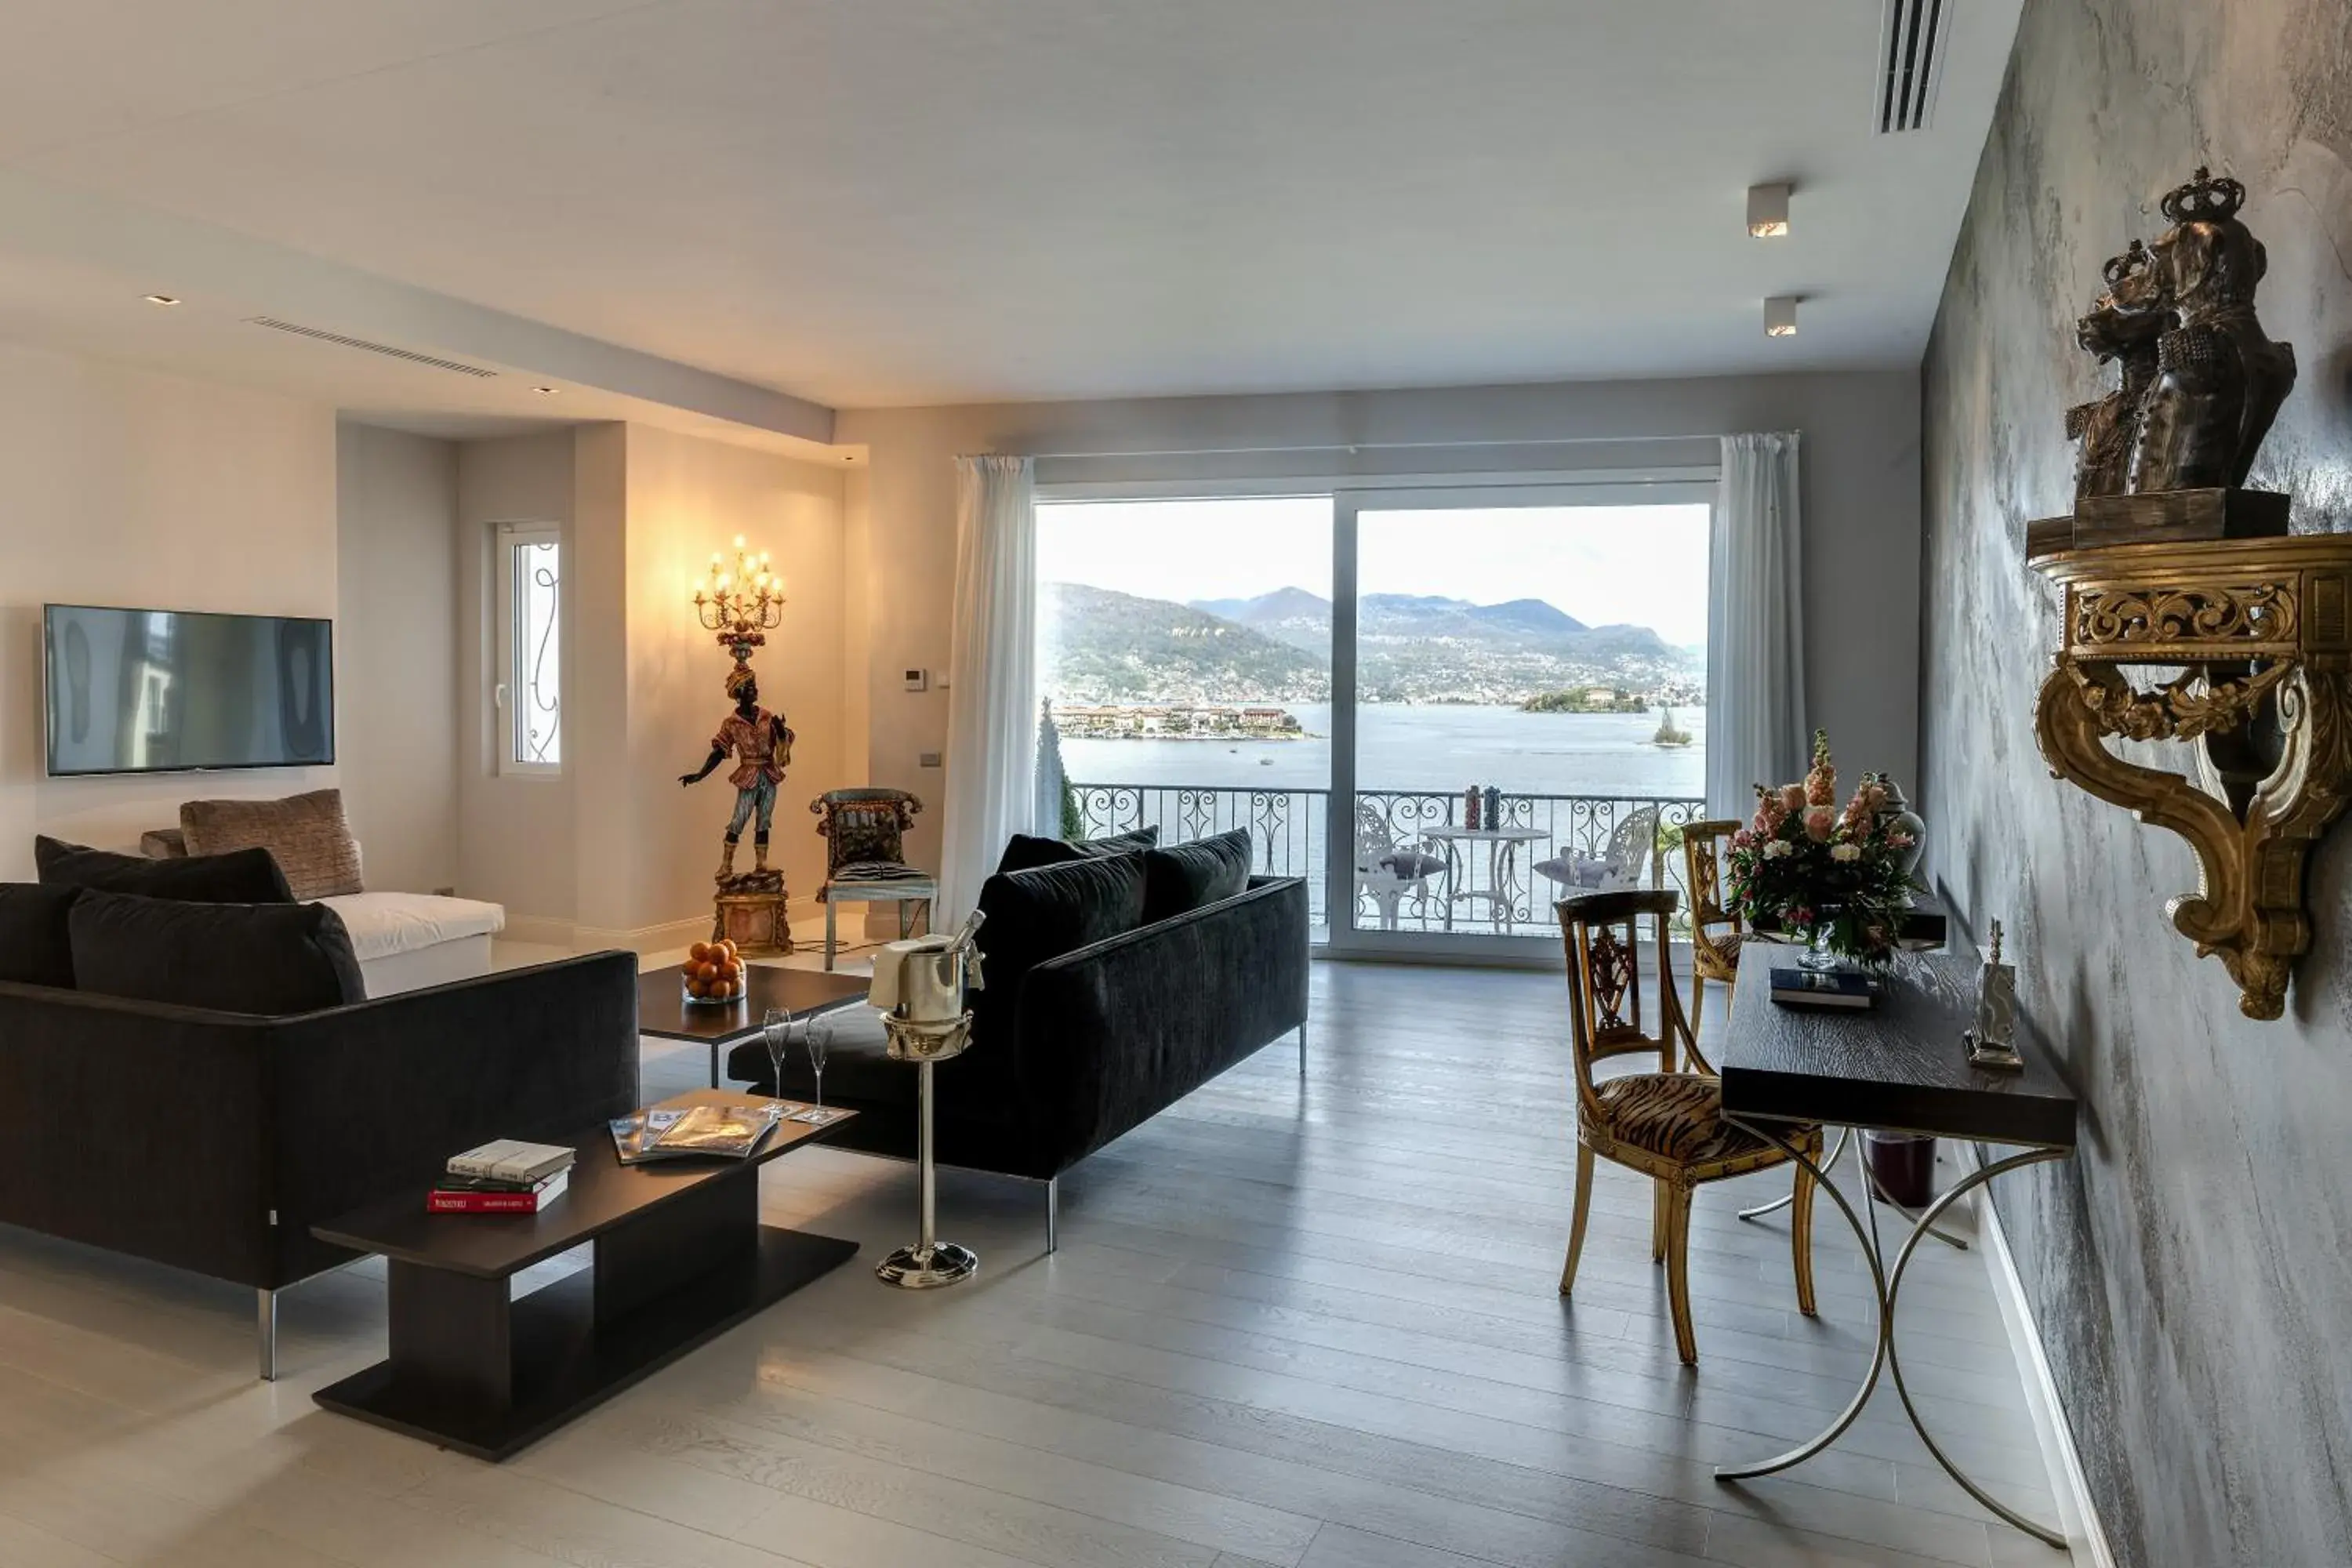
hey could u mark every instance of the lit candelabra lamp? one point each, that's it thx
(742, 603)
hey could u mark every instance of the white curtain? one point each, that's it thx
(991, 675)
(1755, 626)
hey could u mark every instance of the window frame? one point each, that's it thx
(509, 676)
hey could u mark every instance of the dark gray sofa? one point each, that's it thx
(212, 1142)
(1072, 1050)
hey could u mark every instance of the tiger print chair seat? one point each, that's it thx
(1667, 1125)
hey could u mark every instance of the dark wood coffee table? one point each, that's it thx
(662, 1011)
(681, 1257)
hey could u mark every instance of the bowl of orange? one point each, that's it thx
(713, 976)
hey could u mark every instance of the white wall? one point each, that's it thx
(124, 487)
(613, 852)
(515, 843)
(396, 652)
(1860, 513)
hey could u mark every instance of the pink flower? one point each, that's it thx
(1899, 840)
(1793, 797)
(1819, 820)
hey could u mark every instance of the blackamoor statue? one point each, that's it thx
(762, 749)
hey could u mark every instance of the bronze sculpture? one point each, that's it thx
(2108, 429)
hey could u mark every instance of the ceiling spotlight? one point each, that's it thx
(163, 299)
(548, 390)
(1768, 211)
(1781, 316)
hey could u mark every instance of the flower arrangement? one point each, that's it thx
(1833, 875)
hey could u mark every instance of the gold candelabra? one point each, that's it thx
(741, 604)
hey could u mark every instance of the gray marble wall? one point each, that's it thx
(2192, 1270)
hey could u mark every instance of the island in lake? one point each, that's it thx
(1586, 699)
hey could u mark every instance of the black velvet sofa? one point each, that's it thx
(213, 1140)
(1075, 1043)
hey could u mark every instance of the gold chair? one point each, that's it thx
(1716, 937)
(1667, 1124)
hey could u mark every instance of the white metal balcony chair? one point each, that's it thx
(1386, 869)
(1632, 846)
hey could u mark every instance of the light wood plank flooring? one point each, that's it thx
(1306, 1324)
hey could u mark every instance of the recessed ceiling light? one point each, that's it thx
(1768, 211)
(548, 390)
(1781, 316)
(163, 299)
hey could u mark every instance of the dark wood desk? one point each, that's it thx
(1900, 1066)
(681, 1257)
(663, 1013)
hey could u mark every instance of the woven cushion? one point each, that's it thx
(1676, 1115)
(305, 833)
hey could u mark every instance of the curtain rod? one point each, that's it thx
(1354, 447)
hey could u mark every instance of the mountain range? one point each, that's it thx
(1108, 647)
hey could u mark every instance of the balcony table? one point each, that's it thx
(1460, 880)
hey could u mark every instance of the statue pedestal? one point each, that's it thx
(749, 912)
(2174, 517)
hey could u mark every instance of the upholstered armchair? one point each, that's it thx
(1667, 1124)
(865, 861)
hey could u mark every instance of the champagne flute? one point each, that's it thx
(817, 1035)
(776, 1033)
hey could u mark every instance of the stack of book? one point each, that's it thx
(505, 1177)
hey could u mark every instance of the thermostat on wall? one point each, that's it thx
(919, 680)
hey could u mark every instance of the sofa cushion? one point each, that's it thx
(382, 924)
(269, 959)
(1026, 853)
(1044, 913)
(306, 835)
(163, 844)
(247, 877)
(36, 944)
(1186, 876)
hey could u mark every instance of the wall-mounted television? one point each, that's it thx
(141, 691)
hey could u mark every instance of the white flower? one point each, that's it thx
(1779, 848)
(1845, 851)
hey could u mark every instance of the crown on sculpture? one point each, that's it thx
(2204, 199)
(2136, 259)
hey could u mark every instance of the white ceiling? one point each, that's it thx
(884, 202)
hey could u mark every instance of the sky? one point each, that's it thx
(1641, 564)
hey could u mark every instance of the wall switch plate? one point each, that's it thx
(917, 680)
(926, 759)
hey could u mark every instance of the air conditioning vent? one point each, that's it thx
(1910, 63)
(411, 355)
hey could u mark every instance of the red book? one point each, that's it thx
(477, 1200)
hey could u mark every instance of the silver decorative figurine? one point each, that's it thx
(1992, 1043)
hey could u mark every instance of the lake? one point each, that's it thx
(1436, 748)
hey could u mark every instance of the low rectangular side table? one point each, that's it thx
(682, 1257)
(662, 1011)
(1900, 1066)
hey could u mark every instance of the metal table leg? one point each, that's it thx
(1877, 1194)
(1885, 1285)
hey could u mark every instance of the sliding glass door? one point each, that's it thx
(1520, 701)
(1337, 673)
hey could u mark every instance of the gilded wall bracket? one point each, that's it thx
(2255, 654)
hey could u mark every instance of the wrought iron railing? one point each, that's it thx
(1478, 886)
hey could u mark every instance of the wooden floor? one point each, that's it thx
(1299, 1323)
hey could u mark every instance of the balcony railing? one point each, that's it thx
(1484, 886)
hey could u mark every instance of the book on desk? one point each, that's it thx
(1847, 988)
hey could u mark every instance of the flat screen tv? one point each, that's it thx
(142, 692)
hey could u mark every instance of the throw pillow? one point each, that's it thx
(1026, 853)
(247, 877)
(1044, 913)
(36, 945)
(1187, 875)
(306, 834)
(163, 844)
(270, 958)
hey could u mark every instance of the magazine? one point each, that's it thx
(735, 1130)
(635, 1135)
